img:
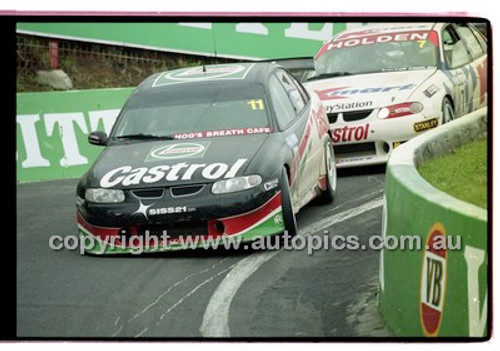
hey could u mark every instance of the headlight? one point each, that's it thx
(236, 184)
(104, 196)
(400, 110)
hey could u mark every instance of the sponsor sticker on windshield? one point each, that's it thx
(223, 133)
(341, 42)
(175, 151)
(203, 73)
(256, 104)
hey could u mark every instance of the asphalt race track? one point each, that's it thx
(277, 294)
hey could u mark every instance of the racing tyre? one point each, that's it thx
(448, 114)
(286, 205)
(328, 194)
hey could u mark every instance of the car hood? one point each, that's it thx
(173, 162)
(371, 90)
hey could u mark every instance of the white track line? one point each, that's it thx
(215, 320)
(181, 300)
(157, 300)
(166, 292)
(342, 216)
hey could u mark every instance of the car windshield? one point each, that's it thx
(190, 108)
(377, 53)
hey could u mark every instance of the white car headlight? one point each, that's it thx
(236, 184)
(104, 196)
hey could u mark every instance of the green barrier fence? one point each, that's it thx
(433, 291)
(232, 40)
(52, 130)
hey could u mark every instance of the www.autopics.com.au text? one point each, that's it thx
(311, 243)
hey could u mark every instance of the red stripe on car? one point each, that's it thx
(237, 224)
(100, 232)
(304, 141)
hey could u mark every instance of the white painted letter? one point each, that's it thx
(302, 31)
(34, 157)
(108, 118)
(196, 25)
(477, 323)
(72, 156)
(254, 28)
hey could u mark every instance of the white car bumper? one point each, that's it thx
(371, 140)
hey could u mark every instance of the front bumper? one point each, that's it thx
(371, 142)
(207, 228)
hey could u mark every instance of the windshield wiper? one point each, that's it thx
(145, 136)
(329, 75)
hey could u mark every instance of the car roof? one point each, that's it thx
(250, 72)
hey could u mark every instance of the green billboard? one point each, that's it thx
(52, 130)
(247, 40)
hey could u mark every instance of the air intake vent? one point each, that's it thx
(355, 149)
(180, 191)
(148, 193)
(356, 115)
(332, 117)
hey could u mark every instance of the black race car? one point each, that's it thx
(205, 153)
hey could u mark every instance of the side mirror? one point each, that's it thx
(98, 138)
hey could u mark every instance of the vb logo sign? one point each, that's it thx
(433, 281)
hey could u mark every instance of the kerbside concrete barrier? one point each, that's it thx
(52, 130)
(441, 289)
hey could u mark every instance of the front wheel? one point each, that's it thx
(328, 194)
(286, 205)
(448, 114)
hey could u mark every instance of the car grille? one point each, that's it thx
(350, 116)
(148, 193)
(181, 191)
(177, 191)
(353, 150)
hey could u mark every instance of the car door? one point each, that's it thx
(312, 146)
(457, 61)
(292, 119)
(476, 70)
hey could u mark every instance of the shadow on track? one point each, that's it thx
(366, 170)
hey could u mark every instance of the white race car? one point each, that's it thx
(384, 84)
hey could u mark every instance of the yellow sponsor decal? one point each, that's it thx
(421, 126)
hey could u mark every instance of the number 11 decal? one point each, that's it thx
(256, 104)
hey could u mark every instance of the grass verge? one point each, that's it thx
(463, 173)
